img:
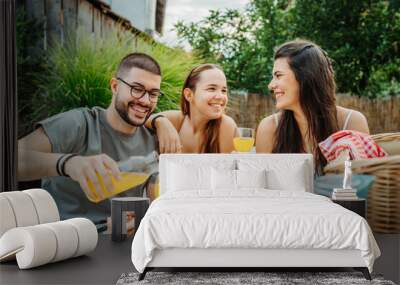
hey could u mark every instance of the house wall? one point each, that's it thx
(139, 12)
(59, 17)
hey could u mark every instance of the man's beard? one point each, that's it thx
(123, 112)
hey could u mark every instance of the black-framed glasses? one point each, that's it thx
(138, 91)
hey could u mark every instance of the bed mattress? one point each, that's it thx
(250, 219)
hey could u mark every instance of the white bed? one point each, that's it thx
(214, 211)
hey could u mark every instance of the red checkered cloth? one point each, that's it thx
(359, 146)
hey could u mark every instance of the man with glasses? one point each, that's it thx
(69, 148)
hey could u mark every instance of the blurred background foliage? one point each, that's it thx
(362, 37)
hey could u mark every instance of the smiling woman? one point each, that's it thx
(201, 125)
(304, 87)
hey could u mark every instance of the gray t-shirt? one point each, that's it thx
(86, 132)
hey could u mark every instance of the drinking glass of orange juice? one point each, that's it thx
(244, 140)
(153, 187)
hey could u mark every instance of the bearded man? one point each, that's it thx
(69, 148)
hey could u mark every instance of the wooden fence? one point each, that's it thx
(383, 115)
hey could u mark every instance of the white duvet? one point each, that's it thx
(253, 218)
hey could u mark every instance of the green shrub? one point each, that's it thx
(384, 81)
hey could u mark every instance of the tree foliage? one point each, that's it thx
(362, 37)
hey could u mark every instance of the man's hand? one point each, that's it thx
(168, 137)
(84, 168)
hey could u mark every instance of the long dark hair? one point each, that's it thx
(211, 133)
(313, 71)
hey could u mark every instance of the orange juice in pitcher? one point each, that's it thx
(134, 172)
(128, 180)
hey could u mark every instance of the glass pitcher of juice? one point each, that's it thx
(134, 171)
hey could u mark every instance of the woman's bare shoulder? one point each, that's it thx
(268, 124)
(265, 136)
(356, 120)
(227, 132)
(228, 127)
(228, 121)
(175, 116)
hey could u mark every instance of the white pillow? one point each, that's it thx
(281, 174)
(223, 179)
(188, 177)
(251, 178)
(227, 179)
(293, 180)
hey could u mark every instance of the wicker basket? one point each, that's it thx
(383, 204)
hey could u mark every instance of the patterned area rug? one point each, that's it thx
(230, 278)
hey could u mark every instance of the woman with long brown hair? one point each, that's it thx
(304, 88)
(201, 125)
